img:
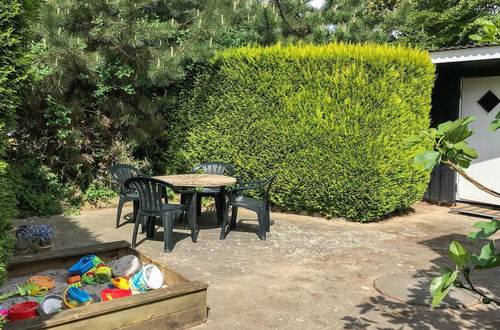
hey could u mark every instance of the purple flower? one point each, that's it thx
(40, 234)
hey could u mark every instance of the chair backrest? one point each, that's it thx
(267, 184)
(150, 192)
(123, 172)
(215, 168)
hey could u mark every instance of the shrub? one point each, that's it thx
(328, 119)
(39, 190)
(14, 65)
(96, 192)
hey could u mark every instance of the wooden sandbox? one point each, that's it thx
(180, 305)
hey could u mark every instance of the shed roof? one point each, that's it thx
(465, 53)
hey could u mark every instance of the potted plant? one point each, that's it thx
(35, 236)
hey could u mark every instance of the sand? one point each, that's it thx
(59, 276)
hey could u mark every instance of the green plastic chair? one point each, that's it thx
(216, 192)
(260, 206)
(121, 173)
(151, 196)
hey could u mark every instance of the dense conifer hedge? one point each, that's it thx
(329, 120)
(13, 72)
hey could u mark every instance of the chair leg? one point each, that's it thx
(234, 215)
(119, 212)
(224, 222)
(136, 228)
(262, 224)
(143, 224)
(268, 220)
(198, 206)
(168, 236)
(136, 208)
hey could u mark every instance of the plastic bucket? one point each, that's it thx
(110, 294)
(75, 297)
(22, 311)
(127, 266)
(148, 278)
(50, 304)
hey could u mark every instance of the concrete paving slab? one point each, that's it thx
(413, 289)
(310, 273)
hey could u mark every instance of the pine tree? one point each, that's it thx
(365, 20)
(108, 72)
(444, 23)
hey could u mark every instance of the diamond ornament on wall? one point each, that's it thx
(488, 101)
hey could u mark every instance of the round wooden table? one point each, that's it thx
(198, 180)
(202, 181)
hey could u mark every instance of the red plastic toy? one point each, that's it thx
(22, 311)
(110, 294)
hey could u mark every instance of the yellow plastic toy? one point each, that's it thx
(103, 274)
(121, 283)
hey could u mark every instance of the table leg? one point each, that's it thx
(221, 205)
(191, 206)
(150, 227)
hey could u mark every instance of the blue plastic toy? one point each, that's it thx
(75, 297)
(84, 265)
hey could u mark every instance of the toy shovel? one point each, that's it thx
(26, 289)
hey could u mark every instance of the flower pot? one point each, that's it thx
(45, 247)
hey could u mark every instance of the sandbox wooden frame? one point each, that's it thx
(182, 304)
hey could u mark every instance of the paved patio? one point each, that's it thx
(310, 273)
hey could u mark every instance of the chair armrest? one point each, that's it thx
(239, 190)
(254, 183)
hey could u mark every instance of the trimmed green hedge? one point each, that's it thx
(14, 65)
(329, 120)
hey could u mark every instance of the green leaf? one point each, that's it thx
(487, 259)
(487, 229)
(438, 282)
(495, 124)
(412, 141)
(459, 254)
(428, 158)
(484, 22)
(468, 151)
(441, 286)
(476, 37)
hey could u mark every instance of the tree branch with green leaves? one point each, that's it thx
(447, 144)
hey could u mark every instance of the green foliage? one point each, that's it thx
(109, 72)
(468, 264)
(7, 212)
(489, 32)
(39, 190)
(448, 144)
(495, 124)
(327, 119)
(14, 66)
(434, 24)
(96, 192)
(365, 20)
(441, 285)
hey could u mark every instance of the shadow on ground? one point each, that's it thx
(81, 236)
(415, 312)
